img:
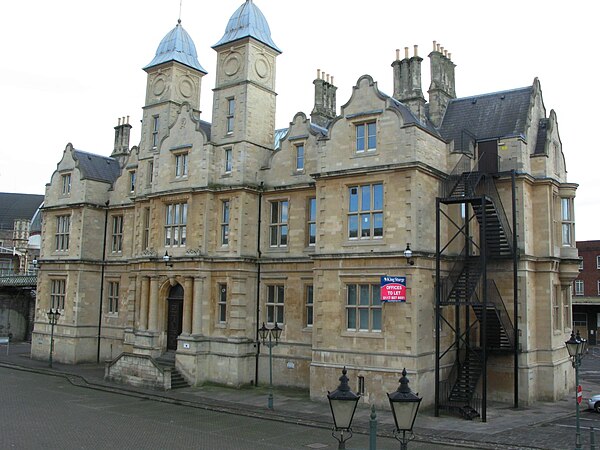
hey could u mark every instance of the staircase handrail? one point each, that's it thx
(496, 300)
(449, 281)
(488, 188)
(464, 164)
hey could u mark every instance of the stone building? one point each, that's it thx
(187, 243)
(19, 247)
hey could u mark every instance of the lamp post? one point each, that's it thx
(53, 315)
(270, 338)
(408, 255)
(343, 403)
(576, 346)
(405, 406)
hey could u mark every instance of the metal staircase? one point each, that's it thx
(481, 323)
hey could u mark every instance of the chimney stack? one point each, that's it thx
(442, 87)
(407, 82)
(325, 109)
(122, 132)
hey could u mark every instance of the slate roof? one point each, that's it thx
(17, 206)
(248, 21)
(178, 46)
(487, 116)
(96, 167)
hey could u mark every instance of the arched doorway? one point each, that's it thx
(174, 315)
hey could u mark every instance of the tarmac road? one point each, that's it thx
(41, 411)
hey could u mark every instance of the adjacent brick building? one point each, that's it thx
(189, 242)
(586, 291)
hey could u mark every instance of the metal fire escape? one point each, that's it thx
(470, 312)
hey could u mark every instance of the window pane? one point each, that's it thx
(274, 235)
(284, 211)
(270, 313)
(360, 138)
(364, 294)
(312, 233)
(363, 319)
(353, 206)
(566, 213)
(353, 226)
(376, 320)
(313, 209)
(372, 135)
(378, 225)
(378, 196)
(365, 200)
(365, 225)
(352, 294)
(352, 318)
(274, 212)
(284, 235)
(279, 294)
(376, 298)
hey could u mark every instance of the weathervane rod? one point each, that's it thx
(180, 2)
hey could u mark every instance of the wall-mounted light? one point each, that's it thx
(167, 259)
(408, 255)
(35, 263)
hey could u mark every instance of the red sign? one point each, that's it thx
(579, 394)
(393, 289)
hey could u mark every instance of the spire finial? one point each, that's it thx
(179, 20)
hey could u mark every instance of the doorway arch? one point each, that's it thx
(174, 315)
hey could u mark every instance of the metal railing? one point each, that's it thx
(488, 188)
(495, 299)
(27, 279)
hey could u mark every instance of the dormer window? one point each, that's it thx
(132, 181)
(299, 157)
(230, 114)
(181, 165)
(66, 184)
(366, 136)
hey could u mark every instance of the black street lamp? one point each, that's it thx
(270, 338)
(405, 406)
(576, 346)
(343, 403)
(53, 315)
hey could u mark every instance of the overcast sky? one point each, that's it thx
(71, 68)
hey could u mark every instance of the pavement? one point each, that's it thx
(544, 425)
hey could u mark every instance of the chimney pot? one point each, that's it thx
(416, 50)
(127, 120)
(438, 48)
(318, 73)
(434, 45)
(331, 79)
(397, 54)
(450, 56)
(406, 52)
(119, 124)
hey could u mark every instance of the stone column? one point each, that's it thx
(144, 304)
(187, 305)
(153, 315)
(197, 308)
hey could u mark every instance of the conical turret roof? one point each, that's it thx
(248, 21)
(178, 46)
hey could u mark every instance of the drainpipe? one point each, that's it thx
(102, 281)
(258, 282)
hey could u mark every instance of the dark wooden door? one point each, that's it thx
(488, 156)
(174, 316)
